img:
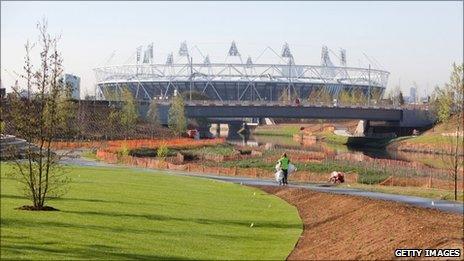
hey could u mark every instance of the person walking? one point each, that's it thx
(284, 161)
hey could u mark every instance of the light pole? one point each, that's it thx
(191, 77)
(369, 89)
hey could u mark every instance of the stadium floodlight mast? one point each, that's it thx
(233, 51)
(343, 57)
(249, 62)
(170, 59)
(148, 54)
(183, 52)
(286, 53)
(206, 61)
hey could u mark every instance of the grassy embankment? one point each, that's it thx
(328, 136)
(410, 191)
(277, 130)
(432, 140)
(120, 213)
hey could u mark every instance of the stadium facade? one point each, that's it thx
(234, 81)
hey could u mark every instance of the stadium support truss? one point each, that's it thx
(235, 81)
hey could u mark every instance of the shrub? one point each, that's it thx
(124, 150)
(162, 151)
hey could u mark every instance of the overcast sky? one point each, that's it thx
(415, 41)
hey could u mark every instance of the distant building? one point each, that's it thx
(413, 95)
(74, 82)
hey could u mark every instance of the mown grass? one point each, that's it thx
(277, 130)
(433, 139)
(120, 213)
(410, 191)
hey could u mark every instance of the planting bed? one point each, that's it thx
(346, 227)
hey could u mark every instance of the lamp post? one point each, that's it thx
(369, 89)
(191, 77)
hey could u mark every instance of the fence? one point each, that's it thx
(304, 176)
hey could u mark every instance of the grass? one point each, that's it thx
(90, 154)
(410, 191)
(277, 130)
(330, 137)
(121, 213)
(433, 139)
(221, 149)
(371, 175)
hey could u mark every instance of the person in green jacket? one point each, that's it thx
(284, 161)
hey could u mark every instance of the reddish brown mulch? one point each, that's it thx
(32, 208)
(347, 227)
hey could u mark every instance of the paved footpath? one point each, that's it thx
(442, 205)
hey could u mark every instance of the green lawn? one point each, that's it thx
(120, 213)
(410, 191)
(277, 130)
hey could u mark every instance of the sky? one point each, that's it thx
(414, 41)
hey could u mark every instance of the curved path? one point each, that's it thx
(442, 205)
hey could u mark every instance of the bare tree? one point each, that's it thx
(38, 119)
(449, 110)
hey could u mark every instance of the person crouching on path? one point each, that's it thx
(284, 161)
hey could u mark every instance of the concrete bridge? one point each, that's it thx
(395, 119)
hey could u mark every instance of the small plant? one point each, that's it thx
(124, 151)
(162, 151)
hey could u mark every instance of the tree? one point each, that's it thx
(443, 104)
(400, 98)
(177, 121)
(153, 117)
(67, 113)
(396, 96)
(345, 97)
(456, 88)
(37, 118)
(449, 103)
(286, 96)
(358, 97)
(113, 124)
(320, 95)
(376, 95)
(196, 96)
(129, 113)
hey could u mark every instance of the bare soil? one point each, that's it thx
(340, 227)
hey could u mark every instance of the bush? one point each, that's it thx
(143, 152)
(372, 177)
(162, 151)
(124, 150)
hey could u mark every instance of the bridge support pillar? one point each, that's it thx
(367, 128)
(218, 129)
(203, 129)
(234, 128)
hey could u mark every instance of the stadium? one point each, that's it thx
(235, 79)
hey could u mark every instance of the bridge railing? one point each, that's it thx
(288, 103)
